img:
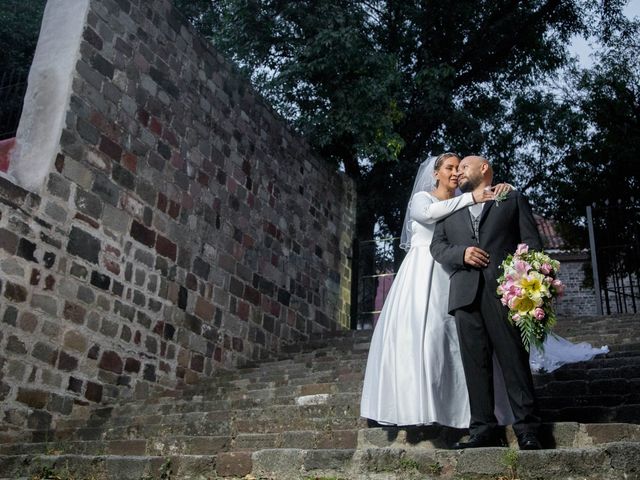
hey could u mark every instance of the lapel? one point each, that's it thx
(485, 211)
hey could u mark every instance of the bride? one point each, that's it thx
(414, 372)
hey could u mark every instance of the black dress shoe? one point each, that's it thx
(528, 441)
(479, 441)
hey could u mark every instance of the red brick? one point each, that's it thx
(110, 249)
(166, 247)
(74, 312)
(170, 137)
(243, 310)
(35, 277)
(252, 295)
(66, 362)
(174, 209)
(88, 220)
(32, 398)
(155, 126)
(93, 392)
(49, 282)
(177, 161)
(203, 179)
(238, 344)
(162, 202)
(143, 116)
(197, 362)
(191, 281)
(113, 267)
(130, 162)
(110, 148)
(142, 234)
(132, 365)
(60, 163)
(111, 361)
(204, 309)
(15, 293)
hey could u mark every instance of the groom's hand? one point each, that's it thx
(476, 257)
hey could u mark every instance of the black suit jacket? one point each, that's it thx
(502, 228)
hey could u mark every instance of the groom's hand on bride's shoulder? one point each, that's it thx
(476, 257)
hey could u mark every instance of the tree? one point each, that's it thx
(608, 98)
(377, 85)
(583, 138)
(19, 26)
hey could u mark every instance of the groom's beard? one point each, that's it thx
(470, 185)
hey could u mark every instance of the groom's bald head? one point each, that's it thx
(473, 172)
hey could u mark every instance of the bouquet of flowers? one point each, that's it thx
(528, 286)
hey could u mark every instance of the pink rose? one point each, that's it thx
(546, 269)
(559, 286)
(522, 249)
(516, 317)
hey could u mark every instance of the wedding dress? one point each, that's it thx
(414, 373)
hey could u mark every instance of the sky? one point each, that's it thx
(581, 47)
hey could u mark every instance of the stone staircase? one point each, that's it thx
(297, 417)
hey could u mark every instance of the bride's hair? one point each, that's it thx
(424, 182)
(440, 160)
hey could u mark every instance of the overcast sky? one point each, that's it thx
(581, 46)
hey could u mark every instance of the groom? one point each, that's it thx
(472, 243)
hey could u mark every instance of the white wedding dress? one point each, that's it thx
(414, 372)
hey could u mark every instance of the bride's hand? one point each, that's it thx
(482, 194)
(502, 188)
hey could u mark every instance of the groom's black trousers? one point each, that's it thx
(483, 328)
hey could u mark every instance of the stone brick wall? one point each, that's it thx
(182, 227)
(577, 299)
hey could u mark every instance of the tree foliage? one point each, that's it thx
(579, 144)
(377, 85)
(19, 26)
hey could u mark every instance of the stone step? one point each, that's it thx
(148, 446)
(614, 367)
(570, 394)
(107, 467)
(605, 461)
(552, 435)
(329, 438)
(558, 435)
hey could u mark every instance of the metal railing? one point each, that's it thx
(375, 265)
(13, 85)
(614, 236)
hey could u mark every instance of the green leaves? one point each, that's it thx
(378, 85)
(19, 27)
